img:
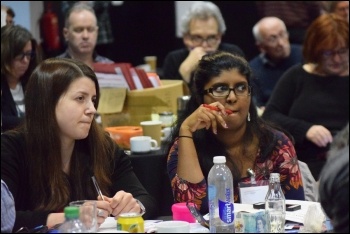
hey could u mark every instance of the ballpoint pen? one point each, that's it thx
(97, 187)
(216, 108)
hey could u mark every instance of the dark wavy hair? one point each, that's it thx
(207, 146)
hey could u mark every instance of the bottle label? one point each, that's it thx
(226, 211)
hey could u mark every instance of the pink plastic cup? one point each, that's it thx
(181, 212)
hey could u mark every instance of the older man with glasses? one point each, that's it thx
(276, 56)
(202, 28)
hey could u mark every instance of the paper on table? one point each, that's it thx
(299, 215)
(253, 194)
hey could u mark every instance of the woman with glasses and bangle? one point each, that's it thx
(19, 57)
(221, 119)
(311, 100)
(202, 28)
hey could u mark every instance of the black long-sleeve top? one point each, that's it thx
(14, 171)
(9, 114)
(301, 100)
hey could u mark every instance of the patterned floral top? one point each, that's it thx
(282, 160)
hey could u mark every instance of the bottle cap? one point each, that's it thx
(71, 212)
(219, 159)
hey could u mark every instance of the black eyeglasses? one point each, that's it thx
(221, 91)
(198, 40)
(29, 55)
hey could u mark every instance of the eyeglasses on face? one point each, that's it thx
(198, 40)
(29, 55)
(273, 39)
(331, 53)
(221, 91)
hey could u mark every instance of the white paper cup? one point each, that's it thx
(152, 128)
(173, 226)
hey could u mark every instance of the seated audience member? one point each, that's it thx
(105, 37)
(80, 32)
(202, 28)
(49, 161)
(19, 57)
(276, 56)
(223, 81)
(340, 8)
(311, 100)
(8, 212)
(297, 15)
(10, 15)
(334, 183)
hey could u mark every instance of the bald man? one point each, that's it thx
(276, 56)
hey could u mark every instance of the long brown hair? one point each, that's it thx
(51, 79)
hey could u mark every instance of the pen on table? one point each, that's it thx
(216, 108)
(97, 187)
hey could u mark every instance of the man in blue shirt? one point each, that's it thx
(276, 56)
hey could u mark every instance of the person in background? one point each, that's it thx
(49, 161)
(8, 212)
(19, 56)
(202, 28)
(334, 182)
(340, 8)
(80, 32)
(10, 15)
(311, 100)
(105, 37)
(276, 56)
(223, 82)
(297, 15)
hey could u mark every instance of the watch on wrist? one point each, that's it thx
(142, 207)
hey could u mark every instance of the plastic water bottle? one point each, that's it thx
(220, 196)
(275, 205)
(72, 223)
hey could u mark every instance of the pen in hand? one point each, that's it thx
(217, 109)
(97, 187)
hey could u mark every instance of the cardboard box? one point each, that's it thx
(120, 107)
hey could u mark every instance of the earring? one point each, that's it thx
(248, 117)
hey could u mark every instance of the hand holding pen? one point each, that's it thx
(121, 202)
(217, 109)
(97, 187)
